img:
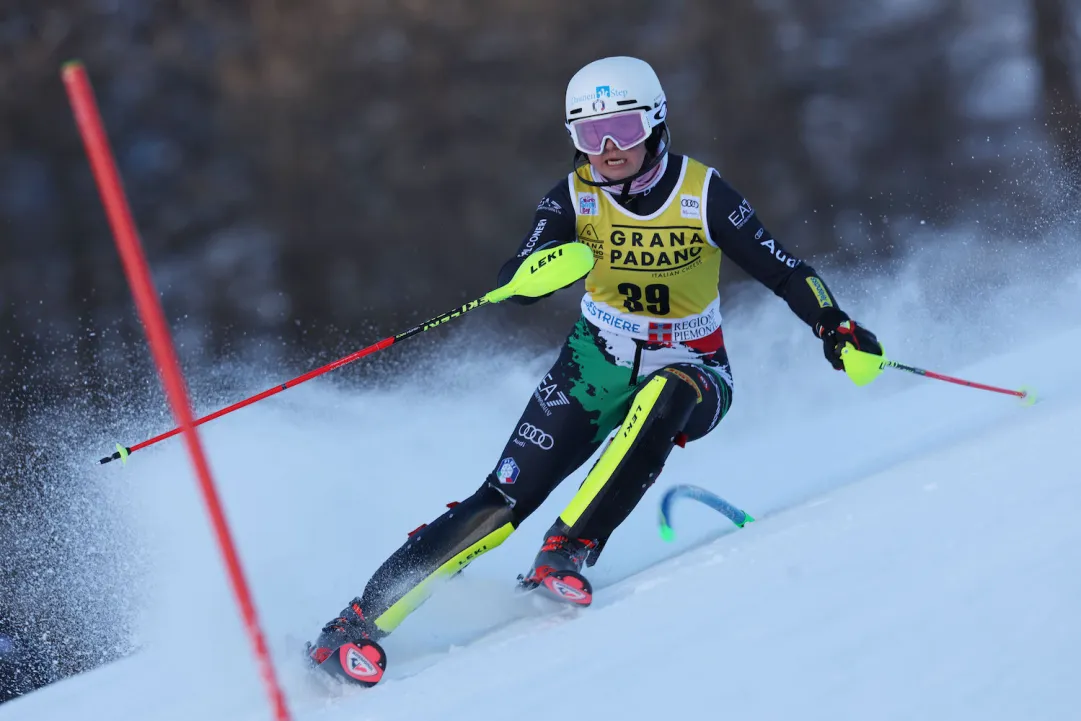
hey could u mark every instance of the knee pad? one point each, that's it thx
(665, 418)
(713, 397)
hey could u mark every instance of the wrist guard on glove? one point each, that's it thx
(836, 330)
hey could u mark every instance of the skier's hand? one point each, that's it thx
(836, 330)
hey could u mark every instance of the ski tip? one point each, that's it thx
(747, 518)
(667, 532)
(1028, 396)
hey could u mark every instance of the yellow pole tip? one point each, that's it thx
(1028, 396)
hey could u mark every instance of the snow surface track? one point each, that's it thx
(916, 553)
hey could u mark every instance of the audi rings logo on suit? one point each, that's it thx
(536, 436)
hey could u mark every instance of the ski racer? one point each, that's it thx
(646, 358)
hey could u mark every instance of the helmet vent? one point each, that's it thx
(576, 111)
(626, 102)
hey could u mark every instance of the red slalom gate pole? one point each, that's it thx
(88, 118)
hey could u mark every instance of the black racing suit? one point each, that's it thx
(583, 397)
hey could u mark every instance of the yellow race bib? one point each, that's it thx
(656, 275)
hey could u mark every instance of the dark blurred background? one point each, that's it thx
(310, 174)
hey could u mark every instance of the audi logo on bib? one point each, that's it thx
(690, 206)
(535, 435)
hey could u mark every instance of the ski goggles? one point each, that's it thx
(625, 129)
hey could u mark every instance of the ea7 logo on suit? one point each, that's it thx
(741, 215)
(549, 395)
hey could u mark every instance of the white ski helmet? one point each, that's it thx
(612, 85)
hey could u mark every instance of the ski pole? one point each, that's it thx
(543, 273)
(864, 367)
(1024, 394)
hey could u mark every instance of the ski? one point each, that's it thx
(737, 516)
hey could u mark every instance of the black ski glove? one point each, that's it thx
(836, 329)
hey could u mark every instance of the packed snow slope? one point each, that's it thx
(915, 556)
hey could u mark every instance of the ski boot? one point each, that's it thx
(346, 648)
(557, 569)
